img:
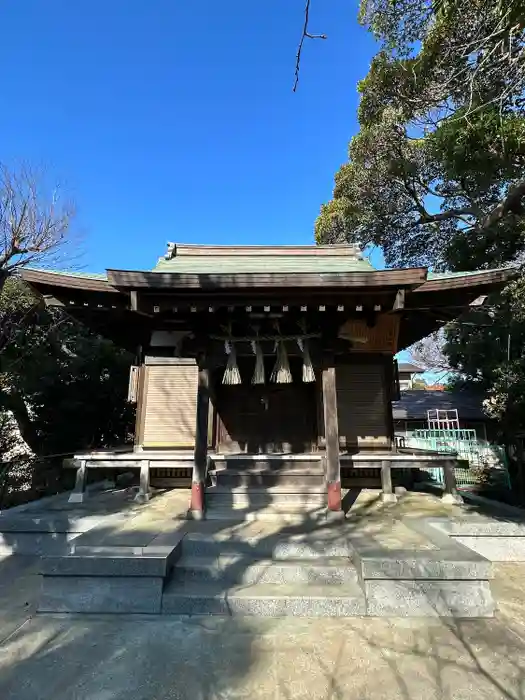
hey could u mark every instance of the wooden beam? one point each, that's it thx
(331, 431)
(412, 277)
(134, 300)
(50, 300)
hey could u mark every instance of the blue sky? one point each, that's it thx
(176, 120)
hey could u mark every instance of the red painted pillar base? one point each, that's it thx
(197, 500)
(334, 495)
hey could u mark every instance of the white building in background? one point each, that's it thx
(407, 373)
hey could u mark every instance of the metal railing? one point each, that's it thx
(482, 460)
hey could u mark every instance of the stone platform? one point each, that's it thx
(411, 558)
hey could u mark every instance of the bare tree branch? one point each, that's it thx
(428, 353)
(305, 35)
(34, 223)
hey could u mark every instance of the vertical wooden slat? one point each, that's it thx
(170, 405)
(388, 379)
(320, 411)
(362, 404)
(201, 443)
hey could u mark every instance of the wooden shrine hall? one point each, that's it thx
(263, 353)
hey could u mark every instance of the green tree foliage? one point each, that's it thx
(436, 174)
(65, 386)
(438, 165)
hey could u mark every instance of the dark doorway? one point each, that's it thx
(269, 418)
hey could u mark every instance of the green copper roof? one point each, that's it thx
(68, 273)
(249, 264)
(218, 260)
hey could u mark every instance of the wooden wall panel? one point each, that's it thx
(361, 401)
(170, 406)
(379, 338)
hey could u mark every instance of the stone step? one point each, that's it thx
(288, 468)
(264, 492)
(112, 561)
(295, 480)
(263, 600)
(246, 570)
(245, 497)
(107, 579)
(275, 546)
(269, 465)
(285, 513)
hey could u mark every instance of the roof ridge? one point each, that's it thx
(190, 249)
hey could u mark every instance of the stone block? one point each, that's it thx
(91, 594)
(428, 598)
(75, 497)
(433, 566)
(496, 548)
(389, 498)
(113, 561)
(142, 497)
(451, 499)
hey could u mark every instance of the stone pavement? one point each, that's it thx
(213, 658)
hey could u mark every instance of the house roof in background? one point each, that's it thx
(414, 404)
(409, 368)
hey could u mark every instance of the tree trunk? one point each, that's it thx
(13, 401)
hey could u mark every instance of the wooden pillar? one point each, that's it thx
(450, 495)
(79, 492)
(141, 408)
(388, 494)
(201, 444)
(331, 431)
(144, 492)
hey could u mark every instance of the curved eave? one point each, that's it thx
(136, 279)
(42, 278)
(478, 279)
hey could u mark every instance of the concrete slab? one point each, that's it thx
(270, 659)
